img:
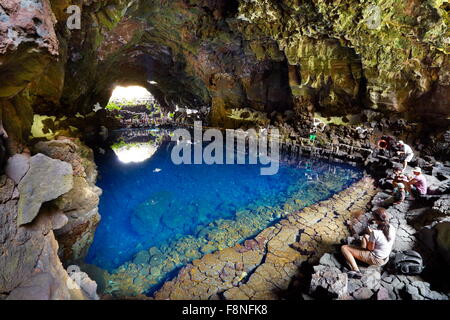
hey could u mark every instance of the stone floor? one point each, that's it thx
(414, 221)
(268, 265)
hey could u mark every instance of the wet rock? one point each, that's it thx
(154, 250)
(46, 180)
(156, 260)
(142, 257)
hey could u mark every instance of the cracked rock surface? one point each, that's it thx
(265, 267)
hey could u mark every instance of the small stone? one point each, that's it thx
(156, 260)
(154, 250)
(383, 294)
(363, 294)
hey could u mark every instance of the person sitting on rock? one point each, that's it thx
(417, 185)
(406, 151)
(398, 177)
(376, 246)
(398, 195)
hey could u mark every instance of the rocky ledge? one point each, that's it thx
(422, 226)
(270, 265)
(48, 209)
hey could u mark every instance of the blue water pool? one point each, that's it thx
(155, 202)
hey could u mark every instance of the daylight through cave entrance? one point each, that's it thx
(131, 95)
(134, 107)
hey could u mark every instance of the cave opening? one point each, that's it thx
(131, 95)
(135, 107)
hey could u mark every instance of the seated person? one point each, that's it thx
(398, 177)
(398, 195)
(376, 246)
(417, 185)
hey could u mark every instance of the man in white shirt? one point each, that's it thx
(407, 151)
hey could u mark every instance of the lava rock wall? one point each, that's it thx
(335, 58)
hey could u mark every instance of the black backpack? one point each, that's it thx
(408, 262)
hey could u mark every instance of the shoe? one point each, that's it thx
(354, 274)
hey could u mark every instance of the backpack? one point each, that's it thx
(408, 262)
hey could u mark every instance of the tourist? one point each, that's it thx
(389, 144)
(398, 195)
(406, 151)
(375, 246)
(399, 177)
(417, 185)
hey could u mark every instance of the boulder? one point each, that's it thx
(142, 257)
(370, 279)
(80, 204)
(442, 205)
(329, 282)
(29, 262)
(46, 180)
(17, 166)
(383, 294)
(363, 294)
(81, 281)
(329, 260)
(419, 290)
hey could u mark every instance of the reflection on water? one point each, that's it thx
(184, 211)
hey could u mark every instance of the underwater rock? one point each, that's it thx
(146, 218)
(46, 180)
(274, 262)
(141, 257)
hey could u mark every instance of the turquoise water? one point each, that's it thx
(150, 203)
